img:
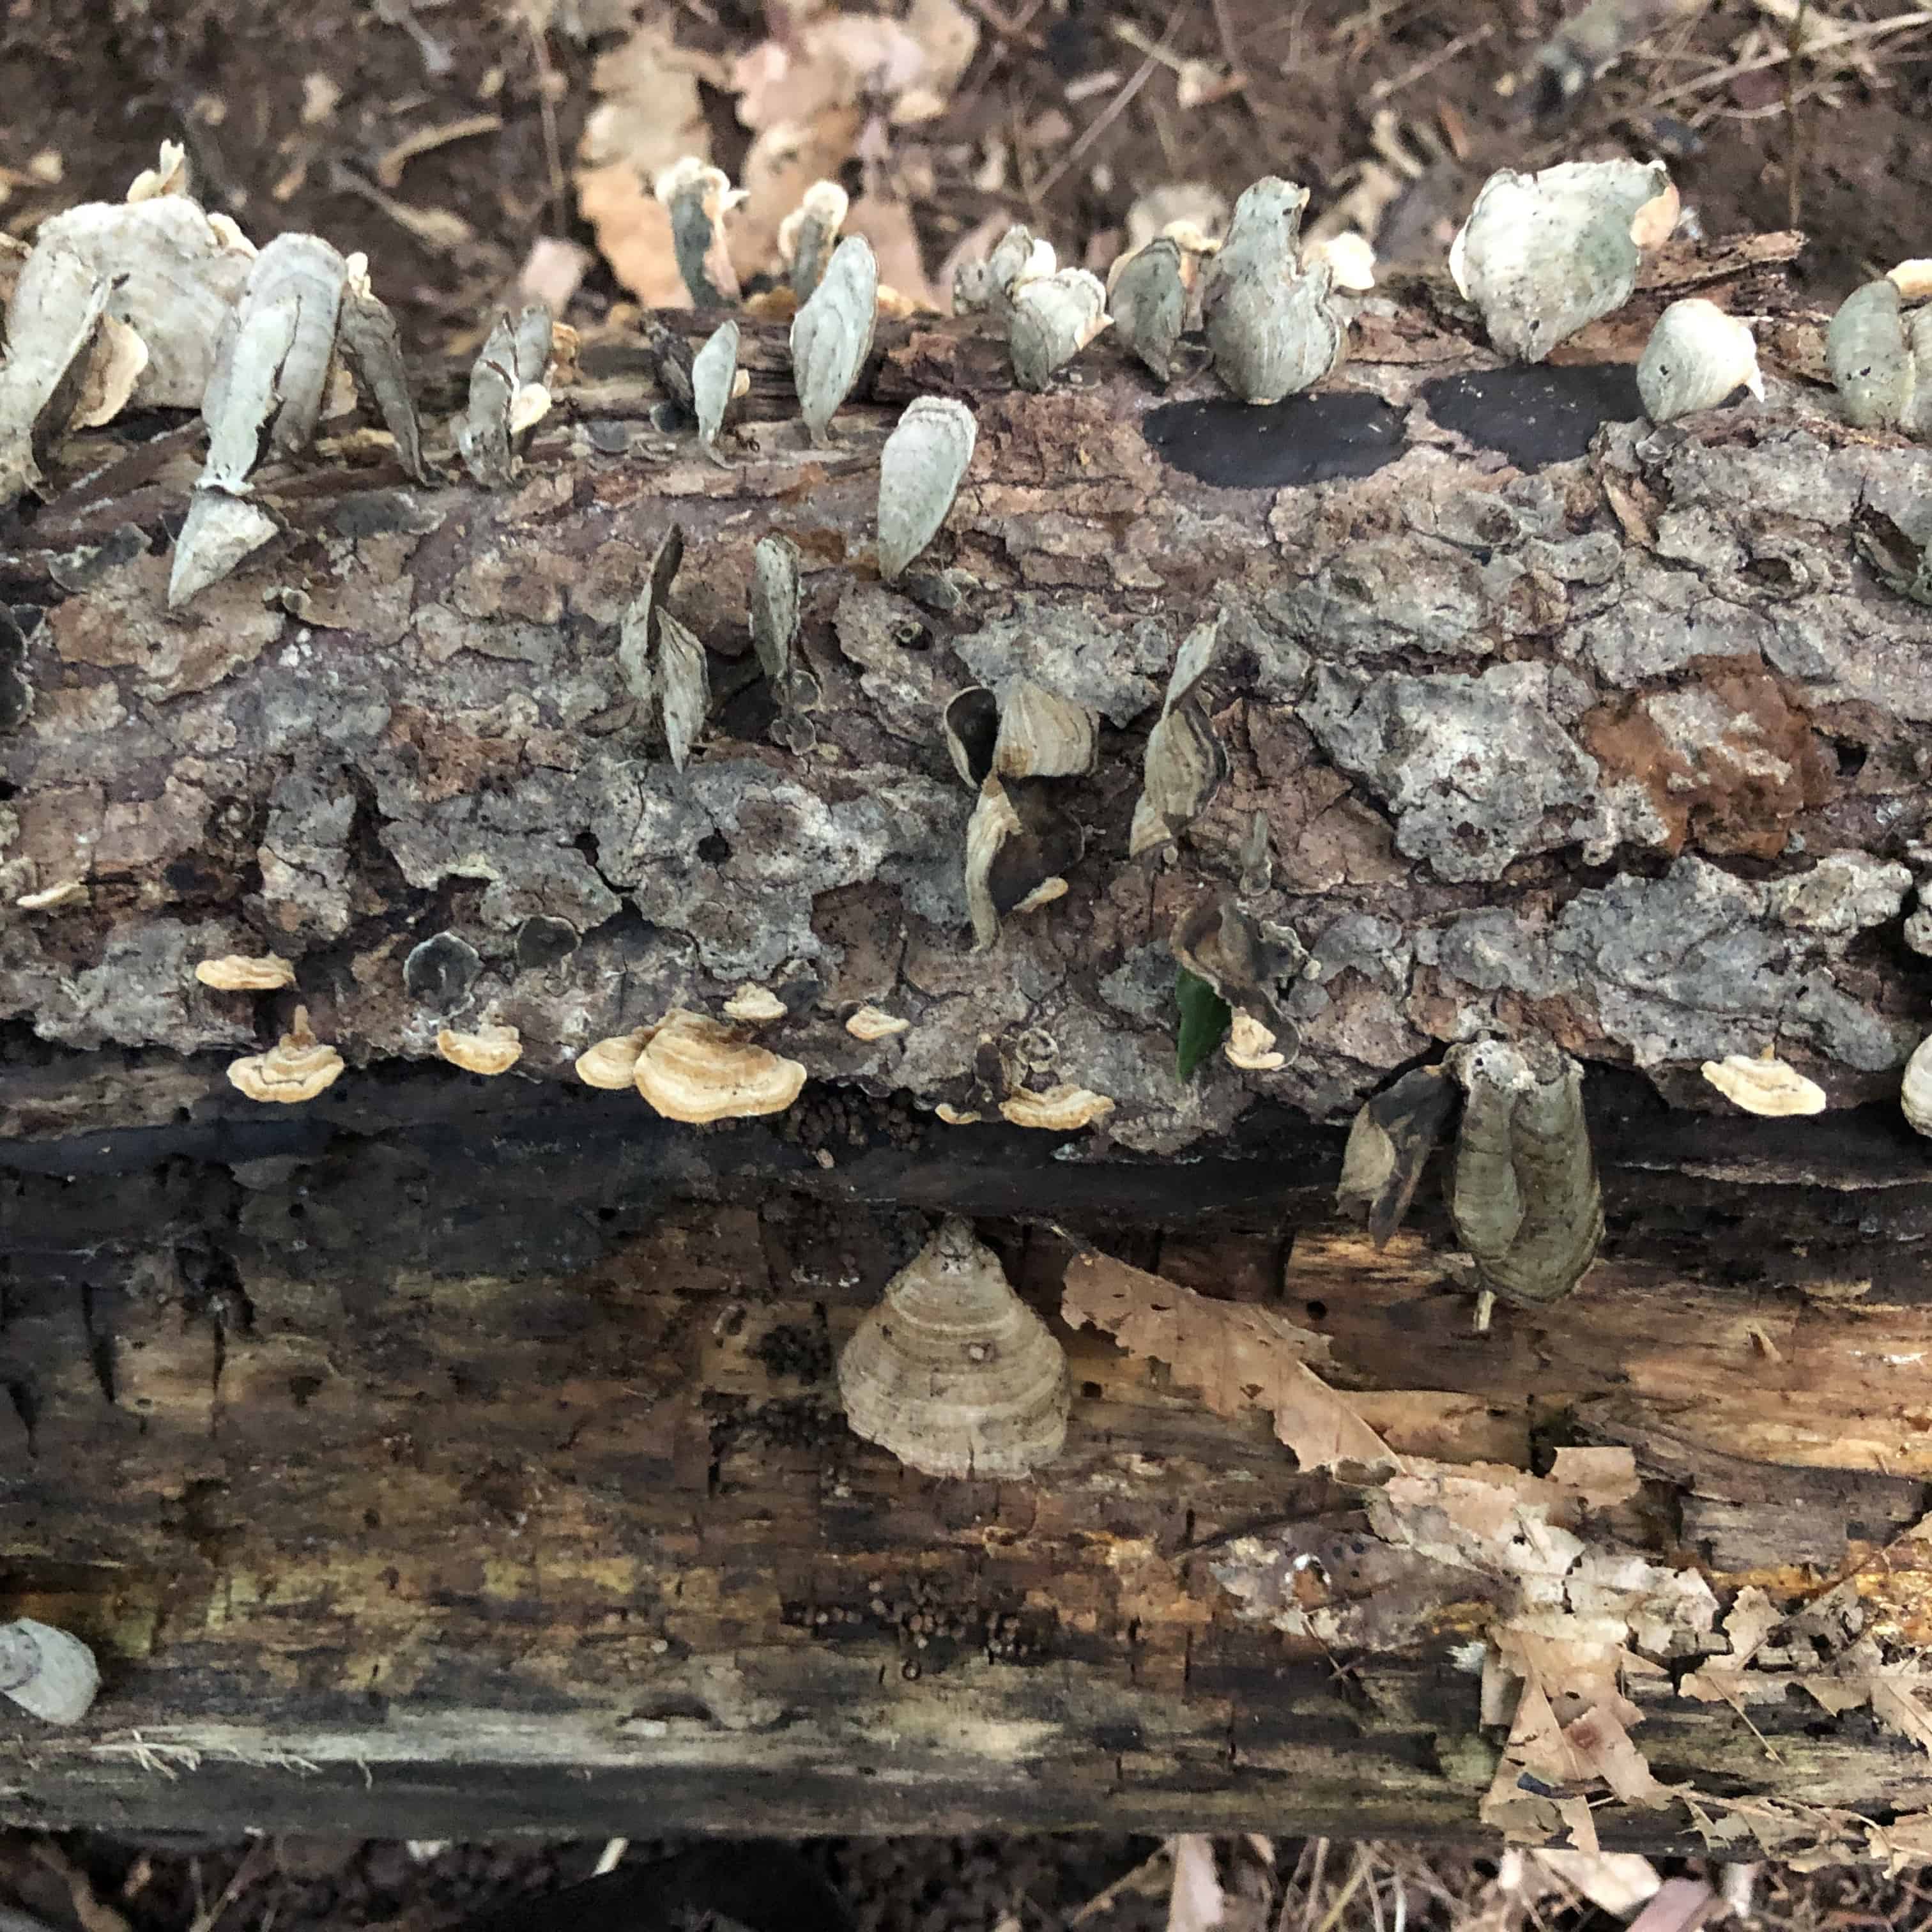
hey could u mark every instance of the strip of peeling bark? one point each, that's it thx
(1627, 746)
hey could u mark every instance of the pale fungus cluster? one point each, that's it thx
(297, 1068)
(1880, 350)
(952, 1372)
(690, 1067)
(49, 1673)
(1765, 1085)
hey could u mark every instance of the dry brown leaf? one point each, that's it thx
(1575, 1813)
(1195, 1902)
(1749, 1621)
(844, 60)
(887, 224)
(1603, 1744)
(1895, 1705)
(1237, 1355)
(1680, 1905)
(1907, 1841)
(1443, 1425)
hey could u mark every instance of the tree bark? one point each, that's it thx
(445, 1455)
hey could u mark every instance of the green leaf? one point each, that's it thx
(1204, 1018)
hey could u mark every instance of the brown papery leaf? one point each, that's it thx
(1237, 1355)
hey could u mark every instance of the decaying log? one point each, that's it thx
(447, 1454)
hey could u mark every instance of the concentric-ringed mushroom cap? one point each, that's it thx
(238, 973)
(612, 1063)
(1764, 1085)
(490, 1050)
(1058, 1110)
(297, 1068)
(695, 1069)
(755, 1004)
(952, 1371)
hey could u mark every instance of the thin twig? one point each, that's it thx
(1115, 108)
(1864, 30)
(1347, 1891)
(547, 111)
(1419, 69)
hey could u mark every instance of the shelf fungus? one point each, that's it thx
(297, 1068)
(662, 659)
(874, 1023)
(1147, 291)
(1524, 1197)
(440, 970)
(952, 1372)
(1185, 762)
(1030, 733)
(1697, 356)
(1062, 1109)
(716, 383)
(1018, 850)
(808, 234)
(1542, 256)
(49, 1673)
(1389, 1144)
(1764, 1084)
(1879, 349)
(1915, 1091)
(923, 463)
(1220, 944)
(238, 972)
(1050, 320)
(1273, 329)
(758, 1006)
(612, 1064)
(987, 286)
(491, 1050)
(774, 616)
(507, 396)
(698, 197)
(832, 333)
(693, 1068)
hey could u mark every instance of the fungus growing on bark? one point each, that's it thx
(48, 1672)
(1063, 1109)
(490, 1050)
(832, 333)
(1147, 294)
(236, 972)
(662, 660)
(1764, 1084)
(1050, 320)
(693, 1068)
(698, 197)
(952, 1372)
(775, 622)
(871, 1023)
(1272, 326)
(921, 467)
(1389, 1144)
(1019, 849)
(1915, 1091)
(440, 971)
(297, 1068)
(715, 384)
(1301, 440)
(612, 1063)
(755, 1005)
(807, 235)
(1696, 356)
(507, 396)
(1184, 763)
(1535, 416)
(1015, 258)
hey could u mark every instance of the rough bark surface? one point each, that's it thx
(447, 1455)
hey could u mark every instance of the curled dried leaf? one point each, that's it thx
(924, 461)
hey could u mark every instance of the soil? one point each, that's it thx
(284, 108)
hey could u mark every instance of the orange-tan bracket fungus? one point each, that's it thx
(952, 1371)
(1764, 1085)
(46, 1672)
(298, 1067)
(1063, 1109)
(695, 1070)
(612, 1063)
(490, 1050)
(236, 972)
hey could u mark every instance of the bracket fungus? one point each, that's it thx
(1185, 762)
(1696, 356)
(507, 396)
(1050, 320)
(49, 1673)
(1062, 1109)
(832, 333)
(873, 1023)
(1272, 327)
(697, 196)
(1524, 1199)
(662, 660)
(808, 235)
(297, 1068)
(1542, 256)
(758, 1006)
(1915, 1090)
(1763, 1084)
(952, 1372)
(921, 467)
(612, 1063)
(236, 972)
(693, 1068)
(491, 1050)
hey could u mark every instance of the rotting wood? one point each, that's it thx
(420, 1454)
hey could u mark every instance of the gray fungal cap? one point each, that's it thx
(1270, 324)
(832, 333)
(925, 460)
(440, 971)
(47, 1671)
(1149, 303)
(1870, 355)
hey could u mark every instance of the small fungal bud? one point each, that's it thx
(236, 973)
(692, 1069)
(612, 1063)
(1185, 761)
(832, 333)
(490, 1050)
(1272, 328)
(1250, 1046)
(714, 376)
(1525, 1199)
(1050, 320)
(756, 1005)
(1765, 1085)
(373, 347)
(698, 197)
(48, 1672)
(297, 1068)
(1350, 256)
(871, 1023)
(168, 176)
(1915, 1093)
(440, 971)
(1869, 353)
(1696, 357)
(1063, 1109)
(1147, 295)
(1542, 256)
(1016, 258)
(924, 461)
(953, 1373)
(808, 235)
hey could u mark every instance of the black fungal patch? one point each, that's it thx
(1278, 445)
(1536, 414)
